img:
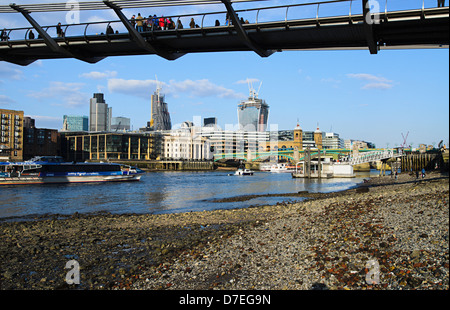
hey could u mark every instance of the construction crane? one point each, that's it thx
(118, 125)
(404, 139)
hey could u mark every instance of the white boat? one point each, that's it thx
(241, 171)
(52, 169)
(282, 168)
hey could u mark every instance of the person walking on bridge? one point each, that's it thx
(4, 35)
(441, 3)
(140, 23)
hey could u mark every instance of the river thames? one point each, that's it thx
(163, 192)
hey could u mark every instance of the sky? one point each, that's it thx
(377, 98)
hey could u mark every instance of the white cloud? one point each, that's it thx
(45, 118)
(69, 93)
(197, 88)
(10, 71)
(43, 121)
(330, 80)
(377, 86)
(5, 100)
(139, 88)
(372, 81)
(252, 80)
(201, 88)
(95, 75)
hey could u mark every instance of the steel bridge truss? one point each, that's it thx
(361, 28)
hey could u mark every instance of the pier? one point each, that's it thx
(427, 161)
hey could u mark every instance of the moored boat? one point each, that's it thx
(241, 171)
(282, 167)
(52, 169)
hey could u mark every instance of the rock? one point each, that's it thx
(415, 254)
(319, 287)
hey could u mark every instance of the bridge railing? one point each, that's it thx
(315, 11)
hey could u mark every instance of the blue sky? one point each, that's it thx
(374, 98)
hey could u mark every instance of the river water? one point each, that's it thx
(162, 192)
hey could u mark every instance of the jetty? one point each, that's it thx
(326, 168)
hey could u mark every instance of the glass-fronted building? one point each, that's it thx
(253, 114)
(120, 124)
(75, 123)
(108, 146)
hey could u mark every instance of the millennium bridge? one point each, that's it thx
(325, 25)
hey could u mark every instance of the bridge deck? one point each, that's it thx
(408, 29)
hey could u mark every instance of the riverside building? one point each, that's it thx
(185, 144)
(78, 146)
(39, 141)
(11, 139)
(231, 142)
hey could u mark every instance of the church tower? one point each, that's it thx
(298, 137)
(318, 138)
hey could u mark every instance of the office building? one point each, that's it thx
(185, 144)
(351, 144)
(39, 141)
(331, 140)
(11, 139)
(28, 122)
(210, 122)
(120, 124)
(75, 123)
(108, 146)
(160, 117)
(253, 113)
(100, 114)
(232, 142)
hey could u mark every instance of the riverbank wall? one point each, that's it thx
(171, 165)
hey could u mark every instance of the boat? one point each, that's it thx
(280, 167)
(53, 170)
(241, 171)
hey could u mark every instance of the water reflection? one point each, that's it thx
(161, 192)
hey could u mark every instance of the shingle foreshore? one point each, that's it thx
(398, 233)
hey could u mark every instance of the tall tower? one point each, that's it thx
(318, 137)
(253, 113)
(100, 114)
(160, 117)
(298, 137)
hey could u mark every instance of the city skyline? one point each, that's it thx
(374, 98)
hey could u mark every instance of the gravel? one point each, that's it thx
(388, 237)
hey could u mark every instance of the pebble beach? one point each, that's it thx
(387, 234)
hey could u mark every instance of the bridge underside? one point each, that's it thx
(416, 31)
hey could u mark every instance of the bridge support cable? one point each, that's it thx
(368, 27)
(50, 42)
(242, 34)
(135, 35)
